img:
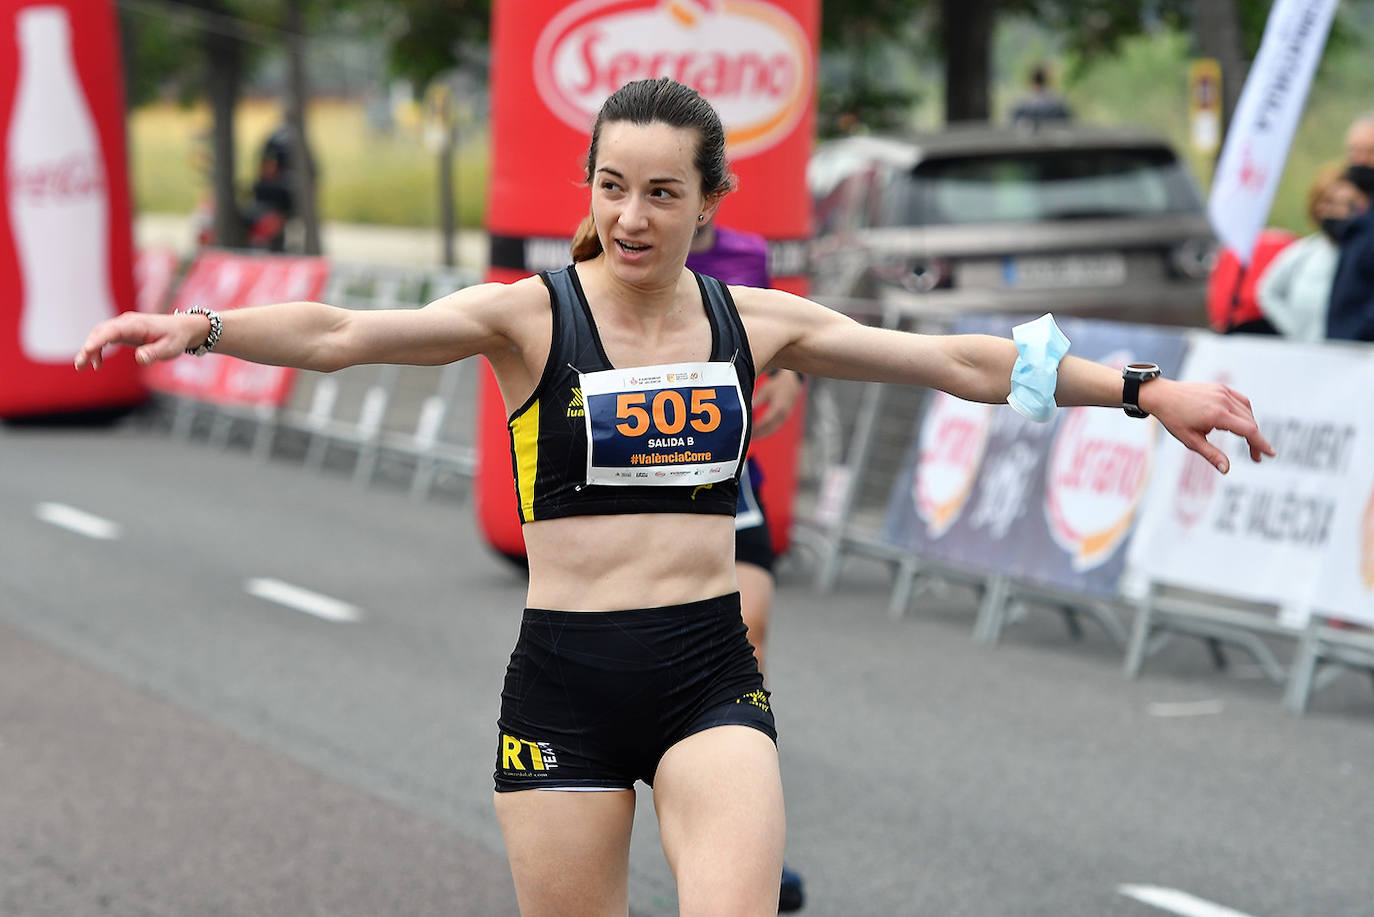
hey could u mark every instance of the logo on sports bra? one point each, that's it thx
(575, 407)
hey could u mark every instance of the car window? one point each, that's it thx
(1032, 187)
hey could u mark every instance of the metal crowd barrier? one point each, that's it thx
(407, 420)
(856, 439)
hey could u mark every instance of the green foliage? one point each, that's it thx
(861, 40)
(433, 34)
(1096, 29)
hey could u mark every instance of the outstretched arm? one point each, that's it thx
(310, 335)
(796, 333)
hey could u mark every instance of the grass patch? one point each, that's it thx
(365, 175)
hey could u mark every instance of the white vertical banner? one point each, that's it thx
(1265, 118)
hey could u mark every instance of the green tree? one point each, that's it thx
(858, 40)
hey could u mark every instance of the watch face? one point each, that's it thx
(1142, 368)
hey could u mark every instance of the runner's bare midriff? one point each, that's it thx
(605, 563)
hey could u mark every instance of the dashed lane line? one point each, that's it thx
(304, 600)
(76, 520)
(1177, 902)
(1185, 708)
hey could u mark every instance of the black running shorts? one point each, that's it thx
(753, 538)
(592, 700)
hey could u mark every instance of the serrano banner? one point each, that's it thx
(222, 281)
(1051, 504)
(1273, 531)
(65, 229)
(553, 64)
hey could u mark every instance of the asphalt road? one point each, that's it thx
(173, 743)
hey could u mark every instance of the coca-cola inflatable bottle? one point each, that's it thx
(58, 197)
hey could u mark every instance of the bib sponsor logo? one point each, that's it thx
(953, 440)
(750, 59)
(1098, 471)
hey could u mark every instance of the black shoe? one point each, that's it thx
(790, 897)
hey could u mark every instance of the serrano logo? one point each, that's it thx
(1098, 471)
(750, 59)
(953, 439)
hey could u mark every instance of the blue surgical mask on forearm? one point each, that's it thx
(1040, 345)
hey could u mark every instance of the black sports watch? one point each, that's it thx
(1132, 376)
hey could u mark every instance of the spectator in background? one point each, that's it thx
(1350, 315)
(1296, 287)
(1040, 104)
(1232, 302)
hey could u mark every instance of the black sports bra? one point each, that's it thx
(665, 439)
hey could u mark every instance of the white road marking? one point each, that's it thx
(75, 520)
(1177, 902)
(1186, 708)
(298, 599)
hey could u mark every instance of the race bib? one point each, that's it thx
(675, 424)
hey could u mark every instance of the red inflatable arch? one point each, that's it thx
(552, 66)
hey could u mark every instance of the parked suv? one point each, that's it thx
(1076, 220)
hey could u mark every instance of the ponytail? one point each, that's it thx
(586, 244)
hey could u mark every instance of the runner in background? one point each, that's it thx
(741, 258)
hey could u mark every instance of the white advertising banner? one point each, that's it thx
(1263, 532)
(1262, 126)
(1346, 587)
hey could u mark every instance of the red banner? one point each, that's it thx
(223, 281)
(65, 230)
(155, 272)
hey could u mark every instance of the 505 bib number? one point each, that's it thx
(680, 423)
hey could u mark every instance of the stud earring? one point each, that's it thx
(701, 218)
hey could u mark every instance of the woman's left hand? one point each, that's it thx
(774, 399)
(1191, 410)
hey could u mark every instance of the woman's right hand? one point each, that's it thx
(156, 337)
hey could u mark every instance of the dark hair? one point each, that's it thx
(658, 101)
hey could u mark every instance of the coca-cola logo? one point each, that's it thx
(954, 437)
(1098, 470)
(77, 175)
(750, 59)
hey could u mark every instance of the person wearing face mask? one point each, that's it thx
(1296, 286)
(1350, 313)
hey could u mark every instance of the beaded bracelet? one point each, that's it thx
(216, 329)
